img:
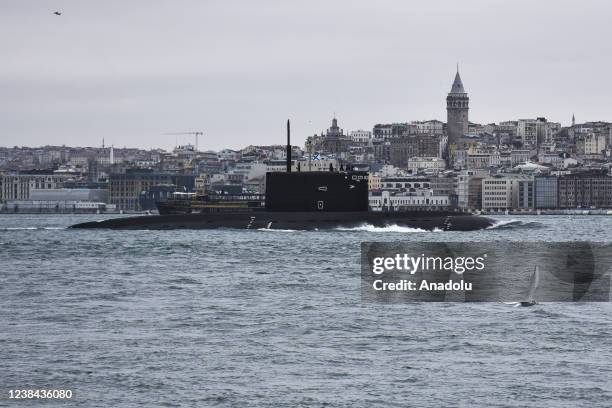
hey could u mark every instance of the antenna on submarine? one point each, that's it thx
(288, 147)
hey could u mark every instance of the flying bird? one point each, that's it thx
(57, 13)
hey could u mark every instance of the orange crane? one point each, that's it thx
(196, 134)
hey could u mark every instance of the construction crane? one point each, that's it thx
(196, 134)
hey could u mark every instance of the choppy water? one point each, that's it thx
(274, 318)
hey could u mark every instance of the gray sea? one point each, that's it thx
(274, 319)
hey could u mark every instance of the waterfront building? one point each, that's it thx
(443, 184)
(469, 189)
(125, 188)
(422, 198)
(54, 207)
(70, 194)
(546, 192)
(585, 190)
(525, 194)
(18, 186)
(501, 192)
(474, 196)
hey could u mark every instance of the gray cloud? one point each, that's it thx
(131, 71)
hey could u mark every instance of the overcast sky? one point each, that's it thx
(130, 71)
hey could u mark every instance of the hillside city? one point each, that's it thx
(520, 165)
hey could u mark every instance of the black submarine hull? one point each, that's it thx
(445, 221)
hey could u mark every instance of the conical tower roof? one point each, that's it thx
(457, 84)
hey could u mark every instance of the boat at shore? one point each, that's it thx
(302, 200)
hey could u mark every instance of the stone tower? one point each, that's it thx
(457, 107)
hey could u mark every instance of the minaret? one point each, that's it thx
(457, 107)
(573, 120)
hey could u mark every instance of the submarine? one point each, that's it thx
(302, 200)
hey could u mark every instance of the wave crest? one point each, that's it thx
(513, 223)
(388, 228)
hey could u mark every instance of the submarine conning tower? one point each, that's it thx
(316, 191)
(288, 154)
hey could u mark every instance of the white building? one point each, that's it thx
(595, 143)
(18, 186)
(430, 127)
(501, 192)
(360, 136)
(435, 164)
(420, 198)
(55, 206)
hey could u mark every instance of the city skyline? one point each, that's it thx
(109, 71)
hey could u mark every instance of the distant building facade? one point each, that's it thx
(502, 192)
(19, 186)
(361, 136)
(527, 131)
(469, 189)
(416, 164)
(333, 141)
(125, 188)
(546, 192)
(525, 194)
(585, 190)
